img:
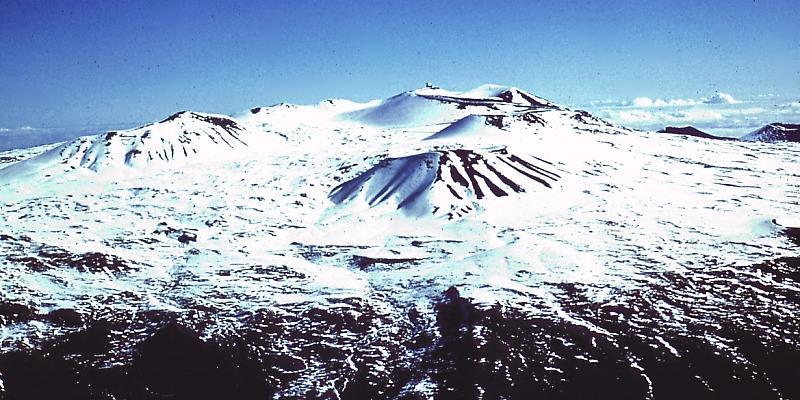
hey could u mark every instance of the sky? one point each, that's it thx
(87, 63)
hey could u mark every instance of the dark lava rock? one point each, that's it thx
(33, 263)
(93, 340)
(13, 312)
(498, 352)
(793, 234)
(38, 377)
(781, 269)
(228, 124)
(182, 235)
(532, 118)
(64, 317)
(52, 373)
(174, 116)
(49, 257)
(496, 121)
(175, 363)
(363, 262)
(97, 262)
(187, 237)
(585, 117)
(453, 312)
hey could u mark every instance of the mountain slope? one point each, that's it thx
(449, 183)
(432, 105)
(775, 132)
(471, 126)
(362, 261)
(183, 136)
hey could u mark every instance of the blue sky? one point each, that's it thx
(81, 63)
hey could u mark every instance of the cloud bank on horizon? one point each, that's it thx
(720, 114)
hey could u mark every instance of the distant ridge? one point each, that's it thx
(691, 131)
(774, 132)
(181, 137)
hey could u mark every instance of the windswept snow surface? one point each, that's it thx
(485, 243)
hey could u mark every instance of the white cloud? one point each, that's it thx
(696, 115)
(675, 102)
(608, 103)
(721, 98)
(664, 117)
(18, 129)
(631, 116)
(751, 111)
(721, 114)
(647, 102)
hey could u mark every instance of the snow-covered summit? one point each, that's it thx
(507, 94)
(483, 116)
(430, 105)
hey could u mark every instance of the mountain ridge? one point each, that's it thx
(692, 131)
(774, 132)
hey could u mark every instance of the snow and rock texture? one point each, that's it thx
(775, 132)
(436, 244)
(691, 131)
(432, 105)
(450, 183)
(180, 138)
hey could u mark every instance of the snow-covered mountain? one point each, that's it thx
(184, 137)
(485, 243)
(433, 105)
(450, 183)
(775, 132)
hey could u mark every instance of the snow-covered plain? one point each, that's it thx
(585, 256)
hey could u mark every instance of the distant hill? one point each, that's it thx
(691, 131)
(774, 132)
